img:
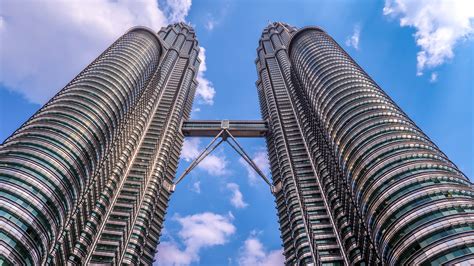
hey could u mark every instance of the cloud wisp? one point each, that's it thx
(253, 253)
(210, 23)
(197, 231)
(216, 17)
(439, 24)
(261, 160)
(236, 198)
(196, 187)
(353, 40)
(215, 165)
(205, 91)
(177, 10)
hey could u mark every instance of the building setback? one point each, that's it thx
(357, 181)
(87, 179)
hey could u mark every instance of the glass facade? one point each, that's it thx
(307, 228)
(86, 179)
(390, 195)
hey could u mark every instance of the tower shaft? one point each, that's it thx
(87, 178)
(390, 195)
(307, 228)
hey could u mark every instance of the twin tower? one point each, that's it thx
(87, 179)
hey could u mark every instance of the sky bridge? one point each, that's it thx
(228, 131)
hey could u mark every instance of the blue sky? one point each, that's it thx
(222, 213)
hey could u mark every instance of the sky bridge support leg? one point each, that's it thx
(248, 159)
(199, 158)
(224, 134)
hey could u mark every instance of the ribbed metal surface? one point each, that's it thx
(417, 205)
(306, 226)
(132, 225)
(348, 221)
(46, 167)
(87, 178)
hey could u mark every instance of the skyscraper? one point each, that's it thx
(87, 178)
(357, 181)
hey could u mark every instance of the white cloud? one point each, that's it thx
(196, 187)
(261, 160)
(190, 149)
(214, 19)
(440, 24)
(44, 44)
(434, 77)
(205, 91)
(236, 199)
(210, 23)
(213, 164)
(353, 40)
(253, 253)
(170, 254)
(198, 231)
(178, 10)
